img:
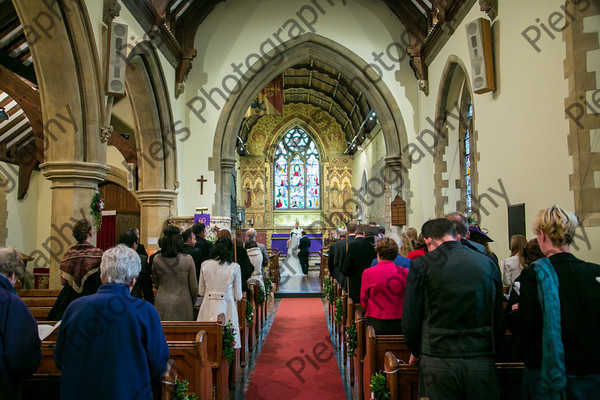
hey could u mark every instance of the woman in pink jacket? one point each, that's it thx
(382, 290)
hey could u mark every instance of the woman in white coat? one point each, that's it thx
(256, 258)
(221, 285)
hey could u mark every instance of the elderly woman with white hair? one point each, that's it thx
(111, 345)
(558, 315)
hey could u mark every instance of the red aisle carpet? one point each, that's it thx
(297, 360)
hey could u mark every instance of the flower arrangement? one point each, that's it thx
(181, 391)
(339, 310)
(249, 314)
(328, 290)
(351, 340)
(261, 296)
(379, 389)
(229, 343)
(96, 207)
(268, 283)
(211, 233)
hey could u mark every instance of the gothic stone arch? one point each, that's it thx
(294, 51)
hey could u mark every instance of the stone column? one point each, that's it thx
(227, 165)
(73, 185)
(156, 207)
(395, 178)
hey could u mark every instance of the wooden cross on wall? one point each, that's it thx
(201, 180)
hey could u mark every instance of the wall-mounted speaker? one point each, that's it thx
(117, 59)
(479, 40)
(130, 176)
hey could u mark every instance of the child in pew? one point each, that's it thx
(110, 344)
(20, 352)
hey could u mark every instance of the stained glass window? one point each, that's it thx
(296, 178)
(467, 159)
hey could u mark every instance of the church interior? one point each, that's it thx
(266, 113)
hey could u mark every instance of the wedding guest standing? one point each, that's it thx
(79, 270)
(256, 258)
(20, 352)
(221, 285)
(512, 266)
(143, 284)
(175, 279)
(561, 332)
(382, 290)
(110, 344)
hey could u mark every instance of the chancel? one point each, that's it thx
(254, 135)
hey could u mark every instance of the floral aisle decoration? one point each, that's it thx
(379, 389)
(250, 314)
(268, 284)
(328, 290)
(180, 392)
(351, 340)
(229, 342)
(339, 310)
(261, 296)
(96, 207)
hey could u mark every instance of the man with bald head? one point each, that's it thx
(20, 344)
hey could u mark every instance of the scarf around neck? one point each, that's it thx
(553, 374)
(79, 262)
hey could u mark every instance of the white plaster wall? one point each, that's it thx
(522, 127)
(237, 28)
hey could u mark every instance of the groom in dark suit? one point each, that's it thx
(304, 252)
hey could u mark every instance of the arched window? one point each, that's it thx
(296, 182)
(467, 158)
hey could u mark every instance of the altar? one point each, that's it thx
(279, 241)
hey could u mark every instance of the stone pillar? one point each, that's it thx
(156, 207)
(227, 165)
(395, 179)
(73, 185)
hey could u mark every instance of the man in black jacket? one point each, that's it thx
(361, 253)
(304, 252)
(452, 317)
(143, 287)
(201, 243)
(189, 243)
(339, 254)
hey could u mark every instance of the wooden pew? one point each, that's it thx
(178, 331)
(324, 254)
(350, 315)
(360, 322)
(403, 379)
(241, 307)
(39, 301)
(252, 338)
(375, 348)
(190, 358)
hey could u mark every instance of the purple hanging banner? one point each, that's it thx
(202, 218)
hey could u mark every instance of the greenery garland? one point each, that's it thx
(249, 314)
(229, 342)
(261, 296)
(180, 392)
(268, 285)
(379, 389)
(339, 310)
(351, 340)
(96, 207)
(328, 292)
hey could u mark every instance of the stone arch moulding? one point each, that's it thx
(275, 62)
(155, 131)
(452, 70)
(155, 140)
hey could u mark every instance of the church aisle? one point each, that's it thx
(297, 360)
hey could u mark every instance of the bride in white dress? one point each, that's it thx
(291, 264)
